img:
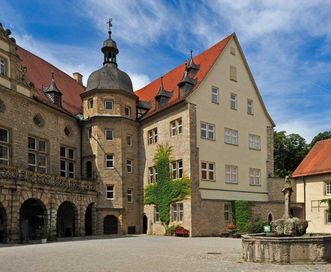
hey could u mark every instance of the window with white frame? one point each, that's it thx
(254, 142)
(152, 136)
(233, 73)
(231, 136)
(109, 134)
(130, 195)
(207, 131)
(156, 214)
(2, 67)
(152, 174)
(129, 140)
(177, 212)
(67, 162)
(254, 176)
(129, 166)
(231, 174)
(127, 111)
(208, 171)
(214, 95)
(37, 155)
(108, 104)
(177, 169)
(109, 161)
(250, 109)
(233, 101)
(176, 127)
(328, 188)
(90, 103)
(227, 212)
(4, 146)
(110, 192)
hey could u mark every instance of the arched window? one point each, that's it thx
(89, 169)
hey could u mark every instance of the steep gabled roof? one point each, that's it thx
(39, 72)
(317, 161)
(170, 80)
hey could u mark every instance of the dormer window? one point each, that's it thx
(53, 93)
(2, 67)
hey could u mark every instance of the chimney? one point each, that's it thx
(78, 77)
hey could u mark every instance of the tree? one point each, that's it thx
(166, 190)
(289, 151)
(320, 136)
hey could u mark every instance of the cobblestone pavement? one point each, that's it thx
(137, 253)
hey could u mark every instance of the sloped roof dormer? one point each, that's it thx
(53, 92)
(163, 96)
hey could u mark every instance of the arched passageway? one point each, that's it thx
(3, 224)
(89, 220)
(33, 217)
(145, 222)
(66, 220)
(110, 225)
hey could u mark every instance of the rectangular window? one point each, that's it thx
(156, 214)
(2, 67)
(232, 51)
(108, 104)
(4, 146)
(152, 174)
(231, 174)
(254, 142)
(127, 111)
(152, 136)
(208, 171)
(90, 103)
(328, 217)
(89, 133)
(130, 196)
(67, 162)
(214, 95)
(129, 166)
(177, 212)
(231, 136)
(177, 169)
(233, 73)
(254, 176)
(233, 101)
(109, 161)
(207, 131)
(37, 155)
(176, 127)
(227, 212)
(328, 188)
(129, 140)
(250, 109)
(110, 192)
(109, 134)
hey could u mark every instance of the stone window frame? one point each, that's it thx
(7, 145)
(177, 212)
(129, 166)
(112, 134)
(110, 191)
(156, 214)
(208, 170)
(127, 111)
(208, 129)
(254, 177)
(215, 94)
(90, 103)
(2, 106)
(152, 174)
(112, 160)
(129, 139)
(231, 136)
(327, 187)
(233, 101)
(250, 106)
(38, 118)
(229, 173)
(89, 133)
(5, 66)
(327, 217)
(152, 136)
(129, 193)
(254, 142)
(37, 153)
(176, 127)
(68, 160)
(177, 169)
(227, 211)
(111, 101)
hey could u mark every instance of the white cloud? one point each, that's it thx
(139, 80)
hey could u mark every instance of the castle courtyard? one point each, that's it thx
(137, 253)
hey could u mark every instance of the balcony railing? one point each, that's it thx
(18, 174)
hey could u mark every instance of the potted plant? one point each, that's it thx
(42, 233)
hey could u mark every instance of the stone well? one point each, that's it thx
(265, 248)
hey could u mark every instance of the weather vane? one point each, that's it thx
(109, 23)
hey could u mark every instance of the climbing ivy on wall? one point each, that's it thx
(241, 215)
(166, 190)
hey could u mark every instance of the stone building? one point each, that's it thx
(76, 159)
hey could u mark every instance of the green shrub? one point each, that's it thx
(241, 215)
(171, 230)
(256, 226)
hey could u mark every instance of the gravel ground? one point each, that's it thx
(137, 253)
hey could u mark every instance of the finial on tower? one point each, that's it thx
(109, 23)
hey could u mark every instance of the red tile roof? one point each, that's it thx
(317, 161)
(40, 71)
(170, 80)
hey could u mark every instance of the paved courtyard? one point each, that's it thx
(136, 253)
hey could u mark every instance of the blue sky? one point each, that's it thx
(287, 44)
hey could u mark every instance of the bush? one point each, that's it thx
(241, 213)
(171, 230)
(256, 226)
